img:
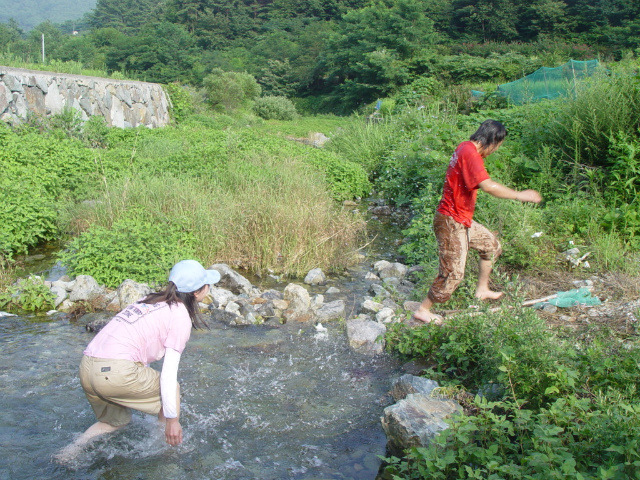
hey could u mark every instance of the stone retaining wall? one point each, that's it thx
(122, 103)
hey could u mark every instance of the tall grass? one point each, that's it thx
(365, 142)
(279, 218)
(581, 128)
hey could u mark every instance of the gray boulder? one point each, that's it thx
(60, 293)
(299, 303)
(331, 311)
(365, 335)
(272, 295)
(397, 270)
(416, 420)
(85, 288)
(315, 277)
(370, 306)
(220, 296)
(371, 277)
(378, 290)
(94, 322)
(408, 384)
(228, 318)
(266, 310)
(381, 265)
(232, 280)
(130, 292)
(385, 315)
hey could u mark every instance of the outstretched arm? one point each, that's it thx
(500, 191)
(170, 394)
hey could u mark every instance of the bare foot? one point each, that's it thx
(427, 316)
(67, 454)
(488, 295)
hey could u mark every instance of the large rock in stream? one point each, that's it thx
(365, 335)
(231, 280)
(130, 292)
(416, 420)
(299, 303)
(418, 416)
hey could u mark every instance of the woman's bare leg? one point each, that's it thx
(71, 451)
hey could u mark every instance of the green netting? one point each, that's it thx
(548, 82)
(581, 296)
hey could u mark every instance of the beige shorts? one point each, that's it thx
(114, 387)
(454, 242)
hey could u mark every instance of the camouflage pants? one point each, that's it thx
(454, 242)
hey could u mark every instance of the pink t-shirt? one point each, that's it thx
(142, 332)
(466, 170)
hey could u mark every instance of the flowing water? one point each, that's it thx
(285, 402)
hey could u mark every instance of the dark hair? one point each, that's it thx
(171, 295)
(490, 132)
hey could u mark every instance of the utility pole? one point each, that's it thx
(43, 48)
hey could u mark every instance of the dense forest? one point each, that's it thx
(336, 54)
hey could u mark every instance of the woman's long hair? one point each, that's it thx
(172, 296)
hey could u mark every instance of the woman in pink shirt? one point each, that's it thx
(114, 371)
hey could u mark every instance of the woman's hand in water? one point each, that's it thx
(173, 432)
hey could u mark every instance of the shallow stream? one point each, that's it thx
(285, 402)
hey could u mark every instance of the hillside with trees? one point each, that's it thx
(336, 55)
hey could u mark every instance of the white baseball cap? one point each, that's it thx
(189, 276)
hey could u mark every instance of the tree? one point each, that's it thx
(485, 20)
(544, 17)
(369, 54)
(162, 52)
(128, 16)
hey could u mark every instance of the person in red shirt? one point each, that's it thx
(453, 223)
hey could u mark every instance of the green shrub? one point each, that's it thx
(27, 294)
(582, 128)
(345, 179)
(363, 142)
(275, 108)
(581, 438)
(421, 91)
(512, 348)
(38, 172)
(182, 103)
(230, 90)
(133, 248)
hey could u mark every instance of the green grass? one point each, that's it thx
(58, 66)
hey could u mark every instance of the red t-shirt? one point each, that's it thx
(466, 170)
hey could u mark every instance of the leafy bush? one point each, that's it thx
(182, 103)
(421, 91)
(27, 294)
(512, 348)
(364, 143)
(579, 438)
(132, 248)
(275, 108)
(548, 405)
(582, 128)
(38, 171)
(231, 90)
(345, 179)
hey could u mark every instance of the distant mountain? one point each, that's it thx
(29, 13)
